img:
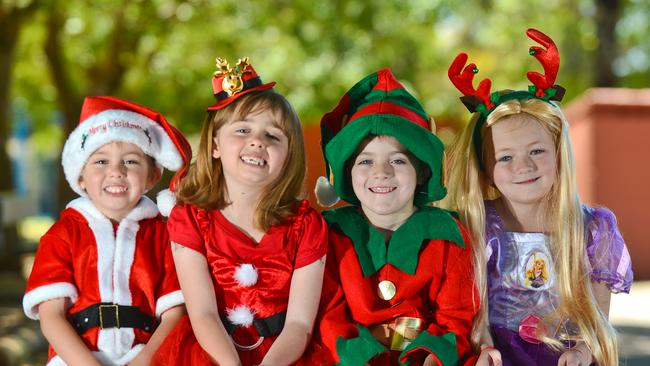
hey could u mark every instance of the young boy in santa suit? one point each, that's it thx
(103, 283)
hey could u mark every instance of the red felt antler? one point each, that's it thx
(549, 58)
(462, 78)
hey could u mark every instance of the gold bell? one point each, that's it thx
(386, 290)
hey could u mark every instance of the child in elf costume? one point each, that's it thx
(399, 286)
(103, 283)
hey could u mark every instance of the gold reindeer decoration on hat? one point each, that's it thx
(232, 77)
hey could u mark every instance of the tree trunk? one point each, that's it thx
(607, 14)
(11, 20)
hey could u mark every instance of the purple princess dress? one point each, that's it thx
(522, 288)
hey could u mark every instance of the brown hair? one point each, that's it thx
(205, 186)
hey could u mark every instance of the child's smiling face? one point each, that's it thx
(384, 179)
(252, 150)
(521, 159)
(115, 176)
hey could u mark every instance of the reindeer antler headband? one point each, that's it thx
(482, 101)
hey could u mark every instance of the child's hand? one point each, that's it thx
(490, 356)
(576, 356)
(429, 361)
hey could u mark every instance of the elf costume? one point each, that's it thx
(397, 301)
(119, 277)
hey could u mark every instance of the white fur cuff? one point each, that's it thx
(33, 298)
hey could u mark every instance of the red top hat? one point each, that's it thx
(230, 83)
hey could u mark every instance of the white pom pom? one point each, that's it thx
(325, 193)
(246, 275)
(166, 200)
(241, 315)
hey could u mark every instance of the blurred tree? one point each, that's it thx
(110, 40)
(13, 15)
(161, 52)
(607, 15)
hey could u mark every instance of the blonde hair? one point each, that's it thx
(205, 186)
(468, 187)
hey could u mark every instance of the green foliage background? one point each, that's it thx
(315, 50)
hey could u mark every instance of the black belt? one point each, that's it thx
(266, 327)
(105, 315)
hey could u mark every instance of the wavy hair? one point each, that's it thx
(469, 186)
(205, 186)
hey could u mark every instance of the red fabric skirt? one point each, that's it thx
(181, 348)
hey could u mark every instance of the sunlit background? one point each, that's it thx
(161, 53)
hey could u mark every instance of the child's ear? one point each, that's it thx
(216, 153)
(82, 185)
(154, 176)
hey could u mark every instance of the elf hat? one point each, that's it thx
(107, 119)
(230, 83)
(378, 105)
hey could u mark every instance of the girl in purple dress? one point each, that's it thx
(546, 264)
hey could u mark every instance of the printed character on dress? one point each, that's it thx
(398, 287)
(103, 282)
(545, 262)
(250, 254)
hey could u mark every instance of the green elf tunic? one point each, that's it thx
(397, 301)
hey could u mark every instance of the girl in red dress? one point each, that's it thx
(249, 255)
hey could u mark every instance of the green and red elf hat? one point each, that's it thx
(378, 105)
(480, 100)
(230, 83)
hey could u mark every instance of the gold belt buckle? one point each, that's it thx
(405, 331)
(101, 318)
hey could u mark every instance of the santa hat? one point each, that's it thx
(230, 83)
(378, 105)
(107, 119)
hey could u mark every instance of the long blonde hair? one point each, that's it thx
(205, 186)
(468, 186)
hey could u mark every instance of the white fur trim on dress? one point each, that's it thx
(116, 125)
(114, 261)
(241, 315)
(166, 200)
(168, 301)
(103, 358)
(246, 275)
(40, 294)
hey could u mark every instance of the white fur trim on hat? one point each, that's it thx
(166, 200)
(325, 193)
(246, 275)
(35, 297)
(116, 125)
(241, 315)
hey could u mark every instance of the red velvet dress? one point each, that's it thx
(83, 259)
(439, 290)
(294, 244)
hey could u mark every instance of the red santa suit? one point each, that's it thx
(83, 258)
(421, 278)
(251, 280)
